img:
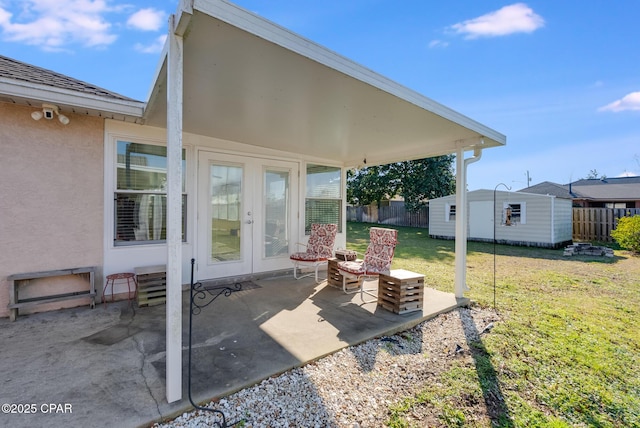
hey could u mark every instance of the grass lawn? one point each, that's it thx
(567, 349)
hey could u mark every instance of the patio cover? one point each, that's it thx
(230, 74)
(251, 81)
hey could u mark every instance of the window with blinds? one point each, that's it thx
(140, 200)
(323, 198)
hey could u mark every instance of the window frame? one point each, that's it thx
(520, 217)
(450, 213)
(319, 199)
(135, 193)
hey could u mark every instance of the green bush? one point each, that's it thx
(627, 234)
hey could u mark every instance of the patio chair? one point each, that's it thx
(377, 260)
(319, 249)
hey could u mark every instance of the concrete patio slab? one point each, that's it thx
(106, 367)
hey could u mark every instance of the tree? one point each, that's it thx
(416, 181)
(593, 175)
(369, 185)
(425, 179)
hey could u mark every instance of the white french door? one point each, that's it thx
(247, 208)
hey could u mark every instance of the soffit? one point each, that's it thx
(251, 81)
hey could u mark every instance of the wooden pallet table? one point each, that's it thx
(334, 278)
(401, 291)
(152, 285)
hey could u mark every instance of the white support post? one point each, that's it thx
(174, 216)
(461, 219)
(461, 226)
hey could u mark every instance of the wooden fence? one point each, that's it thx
(393, 215)
(596, 224)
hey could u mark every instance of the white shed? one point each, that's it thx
(520, 218)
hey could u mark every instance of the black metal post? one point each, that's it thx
(494, 241)
(207, 295)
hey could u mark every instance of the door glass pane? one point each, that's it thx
(276, 212)
(226, 209)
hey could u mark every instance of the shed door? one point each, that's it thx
(481, 219)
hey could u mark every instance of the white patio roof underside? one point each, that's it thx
(251, 81)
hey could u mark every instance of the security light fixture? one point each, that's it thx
(48, 112)
(63, 119)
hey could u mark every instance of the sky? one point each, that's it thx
(561, 79)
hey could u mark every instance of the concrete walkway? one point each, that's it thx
(106, 366)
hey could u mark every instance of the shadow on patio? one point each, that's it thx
(109, 363)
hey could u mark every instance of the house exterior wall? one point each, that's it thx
(126, 258)
(57, 201)
(547, 220)
(51, 207)
(582, 203)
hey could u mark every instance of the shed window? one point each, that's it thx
(140, 200)
(514, 214)
(323, 199)
(450, 212)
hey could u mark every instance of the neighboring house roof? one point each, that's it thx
(549, 188)
(612, 189)
(26, 84)
(608, 189)
(606, 181)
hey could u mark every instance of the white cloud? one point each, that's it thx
(147, 19)
(154, 47)
(438, 44)
(628, 102)
(52, 24)
(515, 18)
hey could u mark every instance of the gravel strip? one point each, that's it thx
(355, 386)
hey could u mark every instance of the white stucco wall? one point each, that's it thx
(51, 204)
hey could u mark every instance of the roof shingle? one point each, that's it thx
(16, 70)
